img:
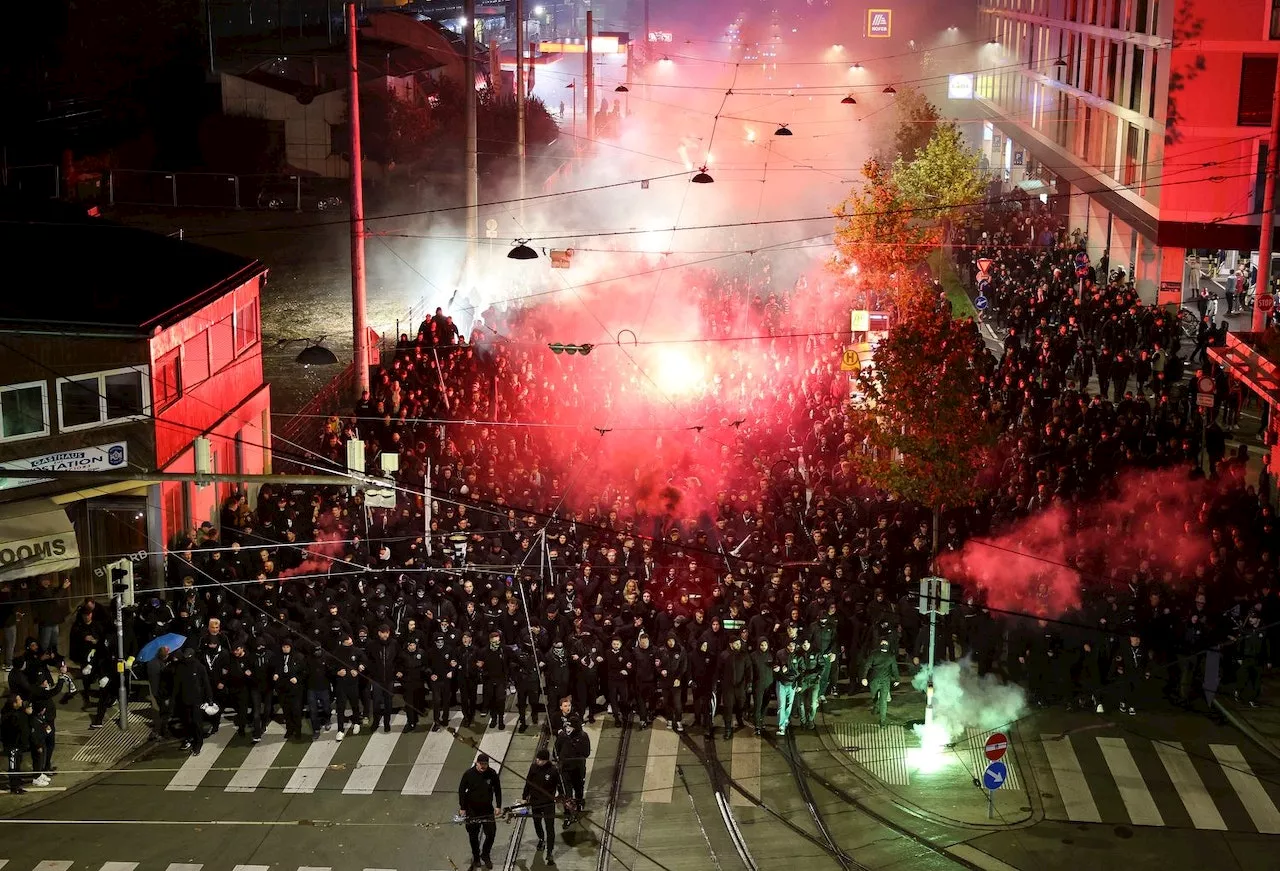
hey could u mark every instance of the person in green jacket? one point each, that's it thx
(787, 669)
(880, 673)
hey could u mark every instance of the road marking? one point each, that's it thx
(54, 865)
(496, 741)
(315, 868)
(252, 868)
(179, 866)
(974, 856)
(119, 866)
(373, 761)
(256, 765)
(1262, 810)
(1073, 789)
(593, 732)
(660, 764)
(430, 762)
(1133, 789)
(195, 768)
(1195, 798)
(745, 769)
(313, 766)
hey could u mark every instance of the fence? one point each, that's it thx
(301, 434)
(39, 180)
(220, 190)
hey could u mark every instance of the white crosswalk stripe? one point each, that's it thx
(313, 766)
(430, 762)
(1109, 779)
(744, 767)
(373, 761)
(54, 865)
(660, 764)
(259, 760)
(119, 866)
(188, 777)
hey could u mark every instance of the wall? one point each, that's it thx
(405, 30)
(307, 127)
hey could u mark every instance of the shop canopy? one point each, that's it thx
(36, 538)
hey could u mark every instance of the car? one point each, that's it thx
(305, 196)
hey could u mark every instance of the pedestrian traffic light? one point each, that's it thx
(583, 349)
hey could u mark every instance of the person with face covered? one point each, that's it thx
(465, 676)
(762, 680)
(493, 668)
(880, 674)
(619, 670)
(673, 669)
(587, 659)
(349, 663)
(733, 668)
(702, 677)
(557, 673)
(440, 668)
(524, 677)
(573, 749)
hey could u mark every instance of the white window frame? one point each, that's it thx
(144, 374)
(44, 401)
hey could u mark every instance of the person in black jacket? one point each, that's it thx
(319, 699)
(349, 663)
(382, 653)
(733, 665)
(542, 785)
(524, 675)
(479, 793)
(492, 667)
(289, 678)
(645, 662)
(762, 663)
(15, 735)
(192, 690)
(410, 667)
(573, 749)
(618, 670)
(440, 674)
(673, 667)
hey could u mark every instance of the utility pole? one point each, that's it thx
(1259, 320)
(520, 99)
(935, 599)
(359, 314)
(118, 590)
(473, 161)
(591, 80)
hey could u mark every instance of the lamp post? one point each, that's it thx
(359, 315)
(472, 160)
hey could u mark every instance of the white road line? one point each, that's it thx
(179, 866)
(430, 762)
(1073, 789)
(55, 865)
(1262, 810)
(373, 761)
(495, 742)
(315, 868)
(119, 866)
(193, 770)
(259, 761)
(593, 732)
(1195, 798)
(745, 768)
(660, 764)
(307, 776)
(1133, 789)
(252, 868)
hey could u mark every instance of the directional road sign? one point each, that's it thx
(995, 775)
(996, 746)
(1082, 265)
(981, 303)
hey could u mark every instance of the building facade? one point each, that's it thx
(1150, 117)
(135, 345)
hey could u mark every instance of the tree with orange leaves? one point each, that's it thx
(880, 230)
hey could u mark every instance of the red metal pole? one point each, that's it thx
(359, 315)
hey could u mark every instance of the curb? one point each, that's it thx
(89, 780)
(1242, 725)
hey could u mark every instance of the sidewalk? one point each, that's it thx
(1261, 724)
(81, 753)
(942, 784)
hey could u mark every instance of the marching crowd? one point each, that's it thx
(736, 565)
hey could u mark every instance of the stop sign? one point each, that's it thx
(996, 746)
(1266, 302)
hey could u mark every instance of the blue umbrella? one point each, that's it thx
(151, 649)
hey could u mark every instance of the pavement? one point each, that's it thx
(1259, 722)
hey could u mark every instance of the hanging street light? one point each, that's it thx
(522, 251)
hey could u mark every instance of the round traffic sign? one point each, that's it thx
(981, 302)
(1266, 302)
(995, 776)
(996, 746)
(1205, 384)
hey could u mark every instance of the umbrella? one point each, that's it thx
(171, 640)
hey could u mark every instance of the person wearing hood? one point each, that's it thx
(880, 674)
(494, 667)
(289, 679)
(787, 670)
(762, 680)
(319, 700)
(733, 666)
(523, 662)
(440, 668)
(573, 749)
(192, 692)
(557, 673)
(673, 669)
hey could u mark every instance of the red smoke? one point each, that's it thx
(1151, 527)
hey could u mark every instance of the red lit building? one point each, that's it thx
(1150, 117)
(128, 346)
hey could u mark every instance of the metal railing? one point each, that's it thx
(39, 180)
(220, 190)
(302, 433)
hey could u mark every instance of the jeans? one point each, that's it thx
(786, 698)
(49, 636)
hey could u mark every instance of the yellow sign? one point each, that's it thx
(879, 23)
(860, 322)
(849, 360)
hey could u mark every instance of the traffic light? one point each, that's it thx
(583, 349)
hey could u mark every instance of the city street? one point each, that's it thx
(1149, 790)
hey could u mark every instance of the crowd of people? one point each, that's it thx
(717, 559)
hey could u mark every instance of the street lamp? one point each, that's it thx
(849, 101)
(700, 177)
(783, 131)
(622, 89)
(522, 251)
(889, 89)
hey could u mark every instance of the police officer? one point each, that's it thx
(879, 673)
(542, 785)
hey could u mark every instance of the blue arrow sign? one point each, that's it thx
(981, 303)
(995, 775)
(1082, 259)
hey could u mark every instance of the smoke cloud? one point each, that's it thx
(962, 699)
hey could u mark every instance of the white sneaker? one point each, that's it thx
(355, 728)
(338, 737)
(42, 780)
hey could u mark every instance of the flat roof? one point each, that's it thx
(90, 272)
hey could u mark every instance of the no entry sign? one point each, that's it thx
(996, 746)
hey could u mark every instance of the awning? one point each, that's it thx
(1032, 185)
(36, 538)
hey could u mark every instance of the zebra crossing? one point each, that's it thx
(1142, 782)
(419, 763)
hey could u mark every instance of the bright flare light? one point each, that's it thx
(933, 754)
(678, 373)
